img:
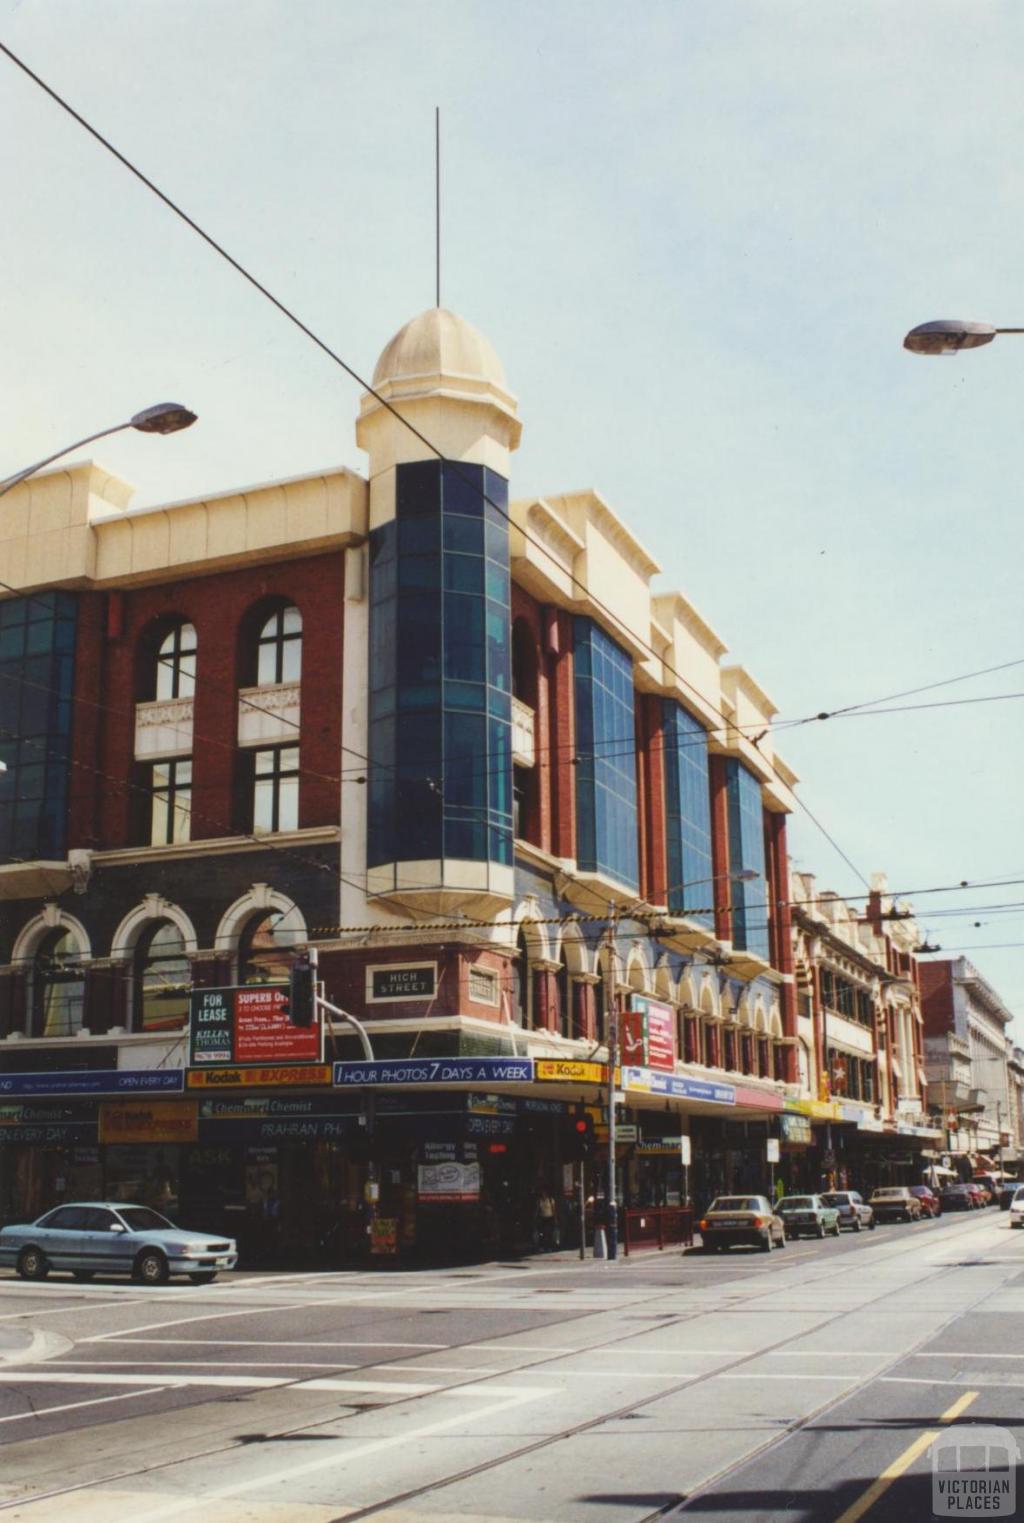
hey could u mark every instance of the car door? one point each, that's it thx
(60, 1238)
(104, 1246)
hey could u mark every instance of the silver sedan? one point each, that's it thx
(101, 1237)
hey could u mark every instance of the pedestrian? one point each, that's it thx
(546, 1222)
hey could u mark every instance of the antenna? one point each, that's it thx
(437, 202)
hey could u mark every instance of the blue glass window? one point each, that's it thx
(687, 813)
(440, 660)
(37, 642)
(606, 802)
(746, 852)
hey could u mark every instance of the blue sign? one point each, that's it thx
(653, 1081)
(436, 1071)
(99, 1081)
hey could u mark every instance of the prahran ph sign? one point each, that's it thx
(248, 1025)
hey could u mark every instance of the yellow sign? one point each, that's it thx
(565, 1071)
(267, 1078)
(149, 1121)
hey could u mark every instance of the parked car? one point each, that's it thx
(1007, 1190)
(990, 1185)
(854, 1211)
(930, 1204)
(895, 1203)
(978, 1194)
(1016, 1208)
(103, 1237)
(807, 1214)
(741, 1219)
(957, 1198)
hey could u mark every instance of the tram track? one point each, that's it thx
(478, 1379)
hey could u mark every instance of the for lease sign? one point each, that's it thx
(247, 1025)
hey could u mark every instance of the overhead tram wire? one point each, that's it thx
(350, 371)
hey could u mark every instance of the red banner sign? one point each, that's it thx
(648, 1034)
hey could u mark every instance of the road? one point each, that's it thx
(803, 1384)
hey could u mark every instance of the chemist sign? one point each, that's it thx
(247, 1025)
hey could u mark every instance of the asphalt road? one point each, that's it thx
(807, 1384)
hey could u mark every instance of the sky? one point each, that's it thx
(696, 233)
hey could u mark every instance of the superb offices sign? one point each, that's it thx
(248, 1025)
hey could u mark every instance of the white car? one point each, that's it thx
(1017, 1209)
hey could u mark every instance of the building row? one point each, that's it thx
(517, 800)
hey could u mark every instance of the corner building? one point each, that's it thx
(515, 798)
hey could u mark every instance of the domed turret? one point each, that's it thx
(439, 342)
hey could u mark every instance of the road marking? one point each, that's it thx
(69, 1311)
(903, 1462)
(965, 1354)
(73, 1406)
(213, 1316)
(402, 1388)
(278, 1343)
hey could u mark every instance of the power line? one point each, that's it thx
(350, 371)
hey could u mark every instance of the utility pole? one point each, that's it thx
(612, 1020)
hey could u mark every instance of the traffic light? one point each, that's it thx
(577, 1134)
(299, 1004)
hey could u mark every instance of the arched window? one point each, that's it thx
(279, 647)
(176, 663)
(265, 947)
(162, 979)
(58, 985)
(522, 992)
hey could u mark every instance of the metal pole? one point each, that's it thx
(612, 1017)
(581, 1196)
(13, 481)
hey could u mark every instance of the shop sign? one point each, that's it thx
(259, 1107)
(51, 1113)
(401, 980)
(648, 1034)
(762, 1099)
(651, 1082)
(565, 1071)
(52, 1125)
(149, 1121)
(237, 1078)
(247, 1024)
(436, 1071)
(99, 1081)
(491, 1105)
(384, 1235)
(658, 1147)
(448, 1183)
(490, 1126)
(771, 1150)
(796, 1129)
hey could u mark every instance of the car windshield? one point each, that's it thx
(835, 1198)
(796, 1202)
(142, 1219)
(736, 1203)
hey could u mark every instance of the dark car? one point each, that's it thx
(894, 1203)
(930, 1204)
(956, 1198)
(854, 1212)
(109, 1237)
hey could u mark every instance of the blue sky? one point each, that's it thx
(695, 233)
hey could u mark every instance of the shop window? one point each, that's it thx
(162, 979)
(279, 647)
(171, 808)
(58, 986)
(175, 675)
(266, 946)
(275, 789)
(606, 790)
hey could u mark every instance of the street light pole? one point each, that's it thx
(612, 1018)
(948, 335)
(163, 418)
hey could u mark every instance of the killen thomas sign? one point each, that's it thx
(247, 1025)
(648, 1034)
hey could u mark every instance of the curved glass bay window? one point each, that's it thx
(58, 986)
(687, 814)
(746, 851)
(606, 800)
(440, 670)
(162, 979)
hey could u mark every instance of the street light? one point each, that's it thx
(948, 335)
(162, 418)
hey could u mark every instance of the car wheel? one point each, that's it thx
(835, 1230)
(821, 1229)
(856, 1224)
(872, 1224)
(33, 1264)
(151, 1267)
(766, 1242)
(782, 1241)
(83, 1274)
(206, 1277)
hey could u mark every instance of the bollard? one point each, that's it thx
(600, 1244)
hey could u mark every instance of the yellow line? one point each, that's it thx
(903, 1462)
